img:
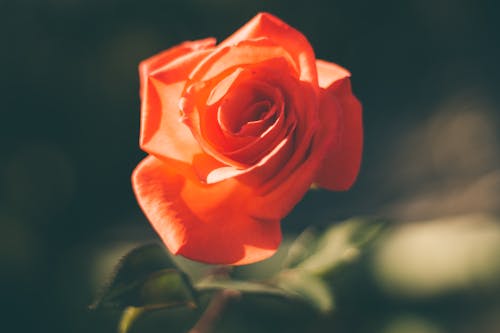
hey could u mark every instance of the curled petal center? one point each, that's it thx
(249, 109)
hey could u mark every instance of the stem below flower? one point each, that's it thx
(214, 310)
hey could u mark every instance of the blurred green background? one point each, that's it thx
(426, 72)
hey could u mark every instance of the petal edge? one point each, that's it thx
(207, 223)
(341, 164)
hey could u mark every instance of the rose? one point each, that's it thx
(237, 133)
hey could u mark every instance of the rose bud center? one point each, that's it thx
(249, 110)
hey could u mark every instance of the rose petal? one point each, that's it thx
(162, 132)
(297, 45)
(277, 201)
(329, 73)
(289, 186)
(164, 58)
(303, 107)
(220, 88)
(341, 164)
(282, 163)
(207, 223)
(251, 100)
(173, 140)
(231, 149)
(284, 159)
(258, 173)
(245, 52)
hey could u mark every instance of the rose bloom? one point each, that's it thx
(236, 134)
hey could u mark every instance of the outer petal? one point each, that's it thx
(159, 60)
(267, 25)
(162, 77)
(329, 73)
(162, 80)
(245, 52)
(208, 223)
(341, 164)
(172, 140)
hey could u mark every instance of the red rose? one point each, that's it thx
(237, 133)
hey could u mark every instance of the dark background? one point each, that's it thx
(426, 72)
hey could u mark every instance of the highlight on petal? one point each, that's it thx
(162, 132)
(166, 57)
(342, 162)
(329, 73)
(297, 45)
(207, 223)
(243, 53)
(169, 67)
(162, 82)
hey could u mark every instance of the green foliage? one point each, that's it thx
(306, 287)
(339, 244)
(288, 285)
(129, 315)
(136, 271)
(301, 248)
(146, 279)
(245, 287)
(322, 271)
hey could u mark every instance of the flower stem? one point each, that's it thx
(214, 310)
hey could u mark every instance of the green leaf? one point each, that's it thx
(291, 285)
(129, 316)
(245, 287)
(166, 288)
(340, 244)
(300, 248)
(131, 273)
(142, 261)
(307, 288)
(162, 289)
